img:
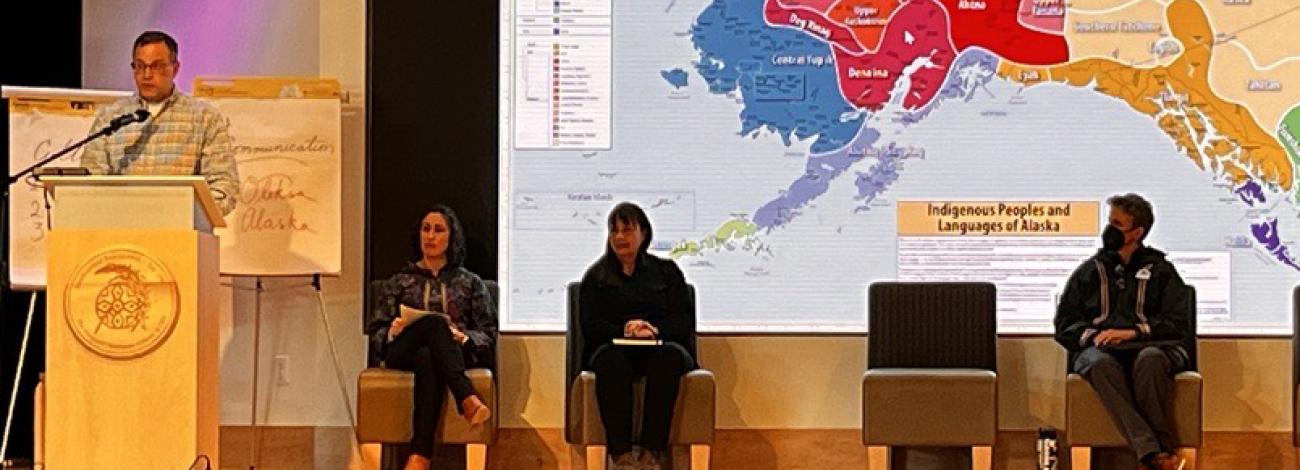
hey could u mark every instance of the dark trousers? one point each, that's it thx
(1136, 387)
(426, 348)
(616, 369)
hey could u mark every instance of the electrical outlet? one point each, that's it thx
(282, 370)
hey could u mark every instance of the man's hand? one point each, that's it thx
(1113, 337)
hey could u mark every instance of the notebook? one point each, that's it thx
(1135, 345)
(410, 315)
(642, 342)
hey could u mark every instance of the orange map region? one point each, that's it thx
(866, 18)
(1214, 132)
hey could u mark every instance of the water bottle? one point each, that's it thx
(1046, 446)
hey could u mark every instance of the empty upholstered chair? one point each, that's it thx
(1088, 424)
(385, 403)
(931, 377)
(693, 415)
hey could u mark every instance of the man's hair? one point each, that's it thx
(1137, 206)
(153, 37)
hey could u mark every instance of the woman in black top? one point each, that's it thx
(629, 293)
(435, 349)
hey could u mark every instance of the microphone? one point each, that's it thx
(140, 115)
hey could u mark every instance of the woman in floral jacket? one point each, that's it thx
(439, 347)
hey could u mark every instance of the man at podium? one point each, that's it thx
(181, 136)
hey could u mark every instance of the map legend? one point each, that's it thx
(562, 93)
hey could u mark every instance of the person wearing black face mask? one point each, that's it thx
(1122, 319)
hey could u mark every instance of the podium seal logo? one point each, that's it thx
(121, 303)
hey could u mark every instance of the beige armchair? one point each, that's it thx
(1088, 425)
(385, 400)
(693, 415)
(931, 377)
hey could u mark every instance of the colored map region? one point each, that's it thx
(996, 25)
(1252, 64)
(1046, 16)
(916, 36)
(1288, 133)
(739, 52)
(1132, 33)
(865, 18)
(1156, 58)
(885, 51)
(675, 77)
(880, 44)
(1216, 134)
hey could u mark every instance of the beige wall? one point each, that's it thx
(232, 37)
(803, 382)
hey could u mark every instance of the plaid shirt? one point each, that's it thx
(185, 137)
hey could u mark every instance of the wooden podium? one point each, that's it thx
(131, 337)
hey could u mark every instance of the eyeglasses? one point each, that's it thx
(156, 67)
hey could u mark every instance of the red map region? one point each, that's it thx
(819, 5)
(994, 25)
(918, 29)
(813, 22)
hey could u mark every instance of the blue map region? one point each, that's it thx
(675, 77)
(818, 173)
(1267, 235)
(737, 48)
(873, 182)
(972, 69)
(779, 86)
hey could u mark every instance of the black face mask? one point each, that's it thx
(1112, 239)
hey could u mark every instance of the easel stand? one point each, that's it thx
(18, 375)
(259, 288)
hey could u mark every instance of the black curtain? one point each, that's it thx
(432, 127)
(47, 56)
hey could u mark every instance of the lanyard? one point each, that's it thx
(442, 294)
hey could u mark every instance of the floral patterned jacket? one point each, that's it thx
(469, 303)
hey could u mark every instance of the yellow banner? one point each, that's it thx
(266, 87)
(59, 106)
(998, 218)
